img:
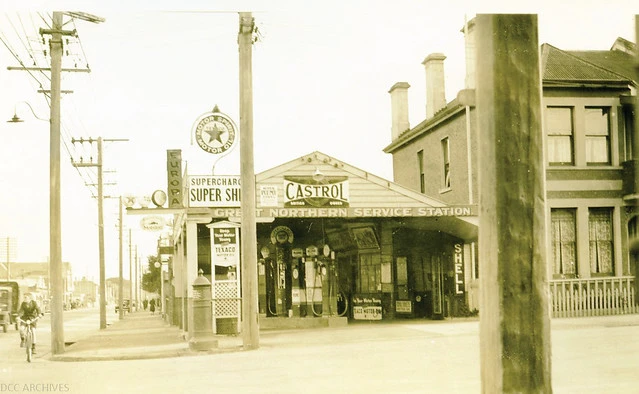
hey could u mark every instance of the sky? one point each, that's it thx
(321, 72)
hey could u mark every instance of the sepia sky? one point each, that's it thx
(321, 75)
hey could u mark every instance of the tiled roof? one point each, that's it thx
(587, 66)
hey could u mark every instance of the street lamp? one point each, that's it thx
(16, 118)
(56, 288)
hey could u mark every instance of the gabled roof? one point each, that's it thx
(601, 67)
(324, 162)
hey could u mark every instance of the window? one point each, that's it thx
(370, 273)
(559, 127)
(446, 168)
(600, 231)
(564, 243)
(597, 135)
(420, 163)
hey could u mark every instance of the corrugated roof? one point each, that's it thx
(587, 66)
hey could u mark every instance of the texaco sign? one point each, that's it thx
(215, 133)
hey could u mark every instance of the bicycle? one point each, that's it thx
(28, 336)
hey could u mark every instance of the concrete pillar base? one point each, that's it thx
(203, 344)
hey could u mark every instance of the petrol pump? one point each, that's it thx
(298, 276)
(297, 282)
(278, 282)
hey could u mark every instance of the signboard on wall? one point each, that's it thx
(367, 307)
(214, 190)
(306, 212)
(174, 177)
(226, 251)
(306, 192)
(268, 195)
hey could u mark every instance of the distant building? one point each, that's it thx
(34, 277)
(112, 289)
(85, 291)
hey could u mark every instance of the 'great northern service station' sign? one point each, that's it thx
(453, 210)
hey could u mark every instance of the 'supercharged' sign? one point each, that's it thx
(214, 190)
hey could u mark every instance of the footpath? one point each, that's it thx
(139, 335)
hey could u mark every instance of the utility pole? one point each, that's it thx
(634, 243)
(120, 278)
(9, 248)
(99, 165)
(514, 328)
(248, 239)
(55, 228)
(137, 278)
(130, 271)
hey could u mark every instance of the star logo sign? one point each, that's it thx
(215, 133)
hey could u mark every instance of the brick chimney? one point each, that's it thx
(470, 45)
(435, 91)
(399, 109)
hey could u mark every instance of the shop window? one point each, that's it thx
(420, 163)
(601, 241)
(597, 135)
(370, 273)
(564, 243)
(559, 128)
(446, 162)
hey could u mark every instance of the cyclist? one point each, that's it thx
(29, 310)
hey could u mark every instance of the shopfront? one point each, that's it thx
(332, 241)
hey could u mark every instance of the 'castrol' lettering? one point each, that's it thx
(295, 191)
(301, 194)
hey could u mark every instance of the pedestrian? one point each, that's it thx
(152, 306)
(145, 303)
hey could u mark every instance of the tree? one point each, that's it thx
(151, 279)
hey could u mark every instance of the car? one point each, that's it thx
(126, 306)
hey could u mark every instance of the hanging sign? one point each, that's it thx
(152, 223)
(215, 133)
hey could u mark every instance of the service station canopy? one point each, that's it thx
(319, 186)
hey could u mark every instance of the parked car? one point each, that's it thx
(11, 302)
(126, 306)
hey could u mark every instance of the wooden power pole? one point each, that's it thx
(55, 224)
(248, 239)
(514, 318)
